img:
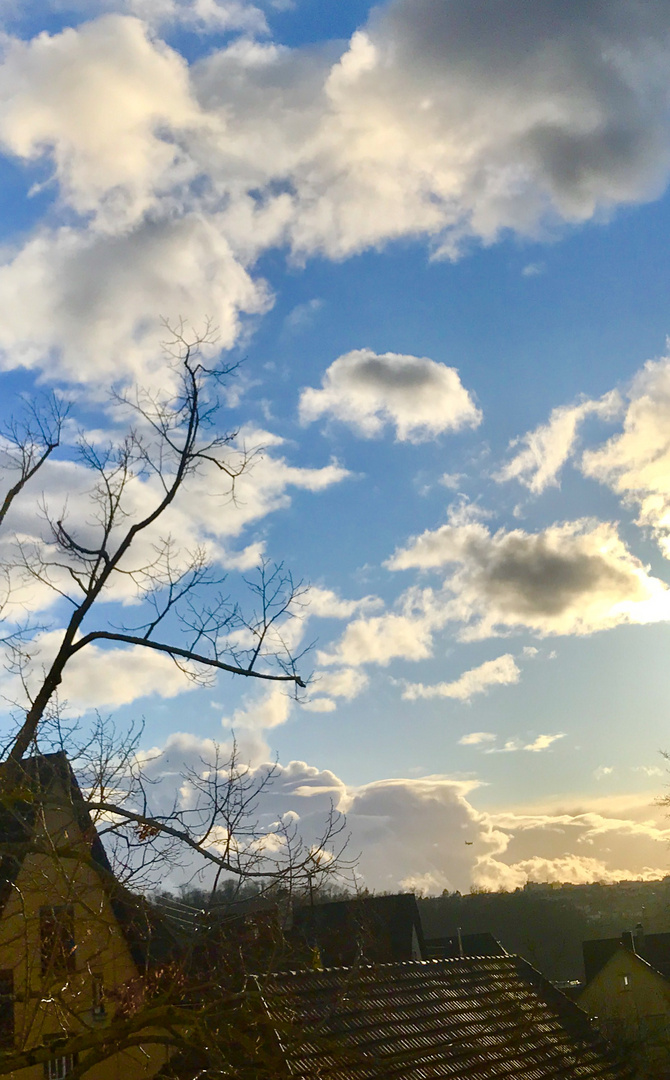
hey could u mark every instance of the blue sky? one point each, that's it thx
(436, 235)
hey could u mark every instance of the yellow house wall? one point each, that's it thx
(647, 995)
(47, 1006)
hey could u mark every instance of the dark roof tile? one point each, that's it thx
(484, 1018)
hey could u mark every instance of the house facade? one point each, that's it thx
(629, 1000)
(71, 957)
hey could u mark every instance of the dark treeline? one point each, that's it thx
(547, 924)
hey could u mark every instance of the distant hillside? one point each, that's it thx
(546, 924)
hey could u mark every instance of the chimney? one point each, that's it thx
(627, 940)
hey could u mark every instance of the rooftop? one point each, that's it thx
(476, 1018)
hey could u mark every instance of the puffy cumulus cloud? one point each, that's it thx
(87, 306)
(381, 639)
(106, 129)
(545, 450)
(441, 120)
(261, 710)
(576, 869)
(346, 683)
(426, 833)
(499, 672)
(573, 578)
(516, 110)
(636, 462)
(450, 119)
(419, 396)
(413, 833)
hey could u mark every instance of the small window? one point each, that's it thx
(98, 1008)
(60, 1065)
(6, 1008)
(57, 939)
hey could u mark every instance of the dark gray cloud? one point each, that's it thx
(573, 578)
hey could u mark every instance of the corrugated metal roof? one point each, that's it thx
(478, 1018)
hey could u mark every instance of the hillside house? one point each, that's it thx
(628, 993)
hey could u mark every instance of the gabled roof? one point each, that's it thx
(373, 928)
(48, 779)
(653, 948)
(478, 1018)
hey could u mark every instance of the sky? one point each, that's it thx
(433, 234)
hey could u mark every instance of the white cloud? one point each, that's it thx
(262, 709)
(573, 578)
(104, 129)
(636, 463)
(543, 742)
(203, 516)
(547, 844)
(509, 747)
(427, 833)
(576, 869)
(546, 449)
(476, 738)
(451, 480)
(345, 683)
(501, 671)
(441, 120)
(88, 306)
(320, 705)
(99, 677)
(419, 396)
(326, 604)
(218, 16)
(406, 633)
(448, 119)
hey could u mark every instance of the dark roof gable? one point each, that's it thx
(378, 929)
(653, 948)
(48, 780)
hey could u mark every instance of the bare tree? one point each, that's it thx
(194, 993)
(135, 481)
(120, 546)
